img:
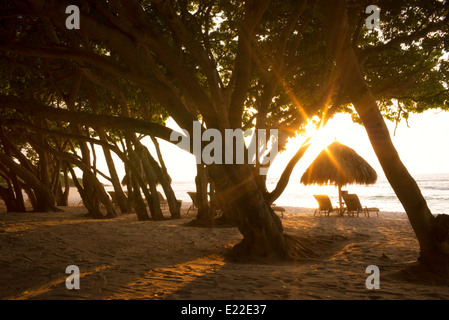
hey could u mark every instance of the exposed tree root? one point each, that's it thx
(298, 248)
(293, 249)
(224, 222)
(219, 222)
(200, 223)
(422, 273)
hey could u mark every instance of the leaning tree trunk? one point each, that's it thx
(423, 222)
(122, 201)
(91, 199)
(7, 195)
(137, 183)
(18, 195)
(45, 198)
(56, 185)
(205, 215)
(66, 192)
(153, 200)
(285, 176)
(164, 180)
(61, 199)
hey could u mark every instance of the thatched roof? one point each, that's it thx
(339, 165)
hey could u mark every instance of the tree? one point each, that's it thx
(235, 65)
(433, 249)
(65, 85)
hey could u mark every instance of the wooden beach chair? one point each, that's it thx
(324, 204)
(353, 205)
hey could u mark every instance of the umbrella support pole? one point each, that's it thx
(339, 199)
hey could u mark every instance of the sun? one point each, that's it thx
(321, 136)
(339, 127)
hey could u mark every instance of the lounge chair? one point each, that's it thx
(324, 204)
(192, 196)
(353, 205)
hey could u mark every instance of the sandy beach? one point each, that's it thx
(125, 259)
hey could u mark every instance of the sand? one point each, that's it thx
(125, 259)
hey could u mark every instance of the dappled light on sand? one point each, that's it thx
(127, 259)
(162, 283)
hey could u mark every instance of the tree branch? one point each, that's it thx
(242, 69)
(37, 109)
(283, 180)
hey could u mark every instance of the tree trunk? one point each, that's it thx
(127, 181)
(90, 200)
(61, 199)
(66, 192)
(285, 176)
(43, 157)
(30, 194)
(16, 188)
(137, 183)
(206, 214)
(122, 201)
(45, 199)
(8, 197)
(91, 196)
(165, 181)
(153, 200)
(137, 201)
(423, 222)
(260, 226)
(91, 210)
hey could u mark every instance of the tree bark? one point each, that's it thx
(336, 28)
(100, 194)
(137, 183)
(45, 198)
(165, 181)
(144, 158)
(261, 228)
(285, 176)
(61, 199)
(66, 192)
(122, 201)
(8, 197)
(205, 215)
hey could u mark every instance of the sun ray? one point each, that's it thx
(163, 282)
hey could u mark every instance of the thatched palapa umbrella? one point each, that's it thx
(339, 165)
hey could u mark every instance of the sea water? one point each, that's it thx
(434, 187)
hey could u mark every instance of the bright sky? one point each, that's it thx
(423, 147)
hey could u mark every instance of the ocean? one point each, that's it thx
(434, 187)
